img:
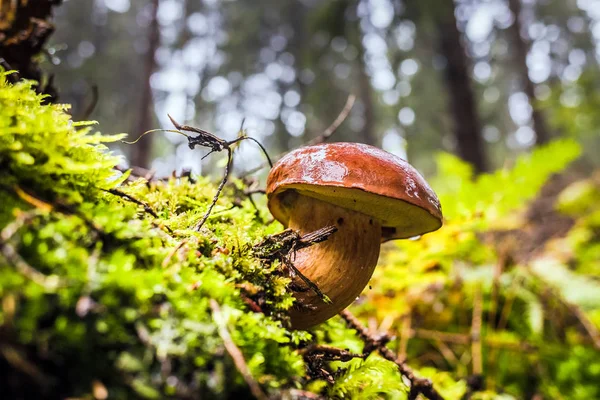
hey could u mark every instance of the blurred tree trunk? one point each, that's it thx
(467, 127)
(365, 96)
(24, 29)
(521, 50)
(297, 47)
(142, 151)
(364, 85)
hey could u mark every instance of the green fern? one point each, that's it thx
(373, 378)
(496, 194)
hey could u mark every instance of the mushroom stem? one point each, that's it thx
(340, 266)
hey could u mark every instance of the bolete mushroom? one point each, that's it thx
(371, 196)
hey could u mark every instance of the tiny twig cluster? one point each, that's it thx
(316, 356)
(215, 144)
(283, 246)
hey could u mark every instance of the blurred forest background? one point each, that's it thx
(494, 101)
(485, 79)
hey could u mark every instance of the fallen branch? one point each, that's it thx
(417, 385)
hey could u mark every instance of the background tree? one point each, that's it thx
(461, 99)
(24, 29)
(141, 155)
(502, 301)
(299, 60)
(521, 49)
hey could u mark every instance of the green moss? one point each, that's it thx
(99, 292)
(130, 309)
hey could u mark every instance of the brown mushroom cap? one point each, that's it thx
(362, 178)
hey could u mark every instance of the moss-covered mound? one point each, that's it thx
(109, 292)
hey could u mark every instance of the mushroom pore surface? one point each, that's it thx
(341, 266)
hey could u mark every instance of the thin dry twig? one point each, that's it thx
(322, 137)
(32, 200)
(498, 270)
(132, 199)
(405, 335)
(198, 226)
(255, 191)
(146, 207)
(85, 303)
(508, 303)
(336, 123)
(139, 172)
(235, 352)
(476, 332)
(316, 357)
(17, 361)
(329, 353)
(44, 205)
(587, 324)
(250, 187)
(447, 352)
(173, 252)
(465, 339)
(417, 385)
(251, 303)
(282, 243)
(13, 227)
(11, 255)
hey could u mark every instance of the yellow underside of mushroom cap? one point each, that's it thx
(399, 218)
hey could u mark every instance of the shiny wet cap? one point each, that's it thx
(359, 177)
